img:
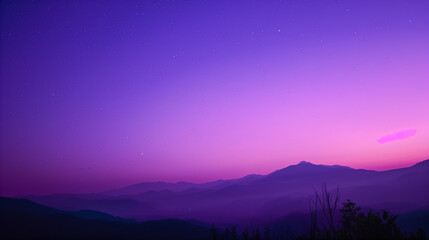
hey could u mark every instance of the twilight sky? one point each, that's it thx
(101, 94)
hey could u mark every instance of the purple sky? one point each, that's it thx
(101, 94)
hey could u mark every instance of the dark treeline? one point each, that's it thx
(329, 221)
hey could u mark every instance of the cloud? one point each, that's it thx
(397, 136)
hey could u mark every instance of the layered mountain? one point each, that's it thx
(177, 187)
(256, 197)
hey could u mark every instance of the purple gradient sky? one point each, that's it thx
(101, 94)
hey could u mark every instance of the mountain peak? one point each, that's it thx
(305, 163)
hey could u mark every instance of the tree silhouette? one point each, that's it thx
(327, 222)
(327, 203)
(214, 232)
(353, 224)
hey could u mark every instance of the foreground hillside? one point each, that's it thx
(23, 219)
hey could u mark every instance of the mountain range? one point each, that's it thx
(256, 198)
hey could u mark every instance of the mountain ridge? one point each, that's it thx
(261, 196)
(183, 185)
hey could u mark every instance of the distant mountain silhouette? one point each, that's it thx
(96, 215)
(179, 186)
(150, 186)
(256, 197)
(23, 219)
